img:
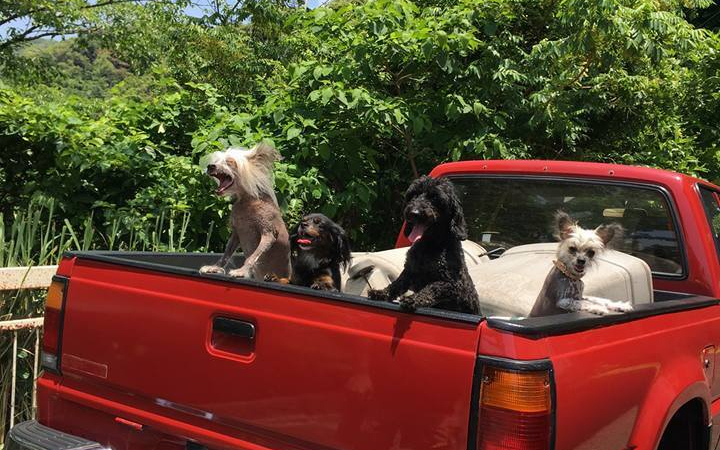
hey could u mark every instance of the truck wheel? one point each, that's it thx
(686, 430)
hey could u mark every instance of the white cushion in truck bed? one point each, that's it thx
(388, 265)
(509, 285)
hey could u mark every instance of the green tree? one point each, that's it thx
(359, 98)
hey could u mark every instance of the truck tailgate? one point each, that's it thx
(275, 366)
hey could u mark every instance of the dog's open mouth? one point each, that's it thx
(304, 242)
(224, 182)
(416, 232)
(579, 269)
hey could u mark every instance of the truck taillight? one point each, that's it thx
(515, 409)
(53, 324)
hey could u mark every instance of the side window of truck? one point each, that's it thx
(712, 212)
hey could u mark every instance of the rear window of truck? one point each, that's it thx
(503, 212)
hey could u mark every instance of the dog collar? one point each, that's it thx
(562, 268)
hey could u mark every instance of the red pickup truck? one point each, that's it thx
(143, 352)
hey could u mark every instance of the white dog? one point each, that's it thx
(563, 287)
(257, 224)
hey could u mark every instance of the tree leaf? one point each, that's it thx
(293, 132)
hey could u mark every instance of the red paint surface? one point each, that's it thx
(319, 373)
(332, 375)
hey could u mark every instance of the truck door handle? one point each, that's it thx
(234, 327)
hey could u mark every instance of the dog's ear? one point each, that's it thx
(264, 155)
(457, 224)
(293, 238)
(342, 244)
(418, 186)
(458, 227)
(609, 231)
(564, 225)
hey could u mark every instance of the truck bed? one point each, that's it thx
(187, 264)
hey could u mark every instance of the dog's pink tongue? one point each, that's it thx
(304, 241)
(416, 233)
(225, 182)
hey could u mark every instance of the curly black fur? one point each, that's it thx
(435, 267)
(318, 247)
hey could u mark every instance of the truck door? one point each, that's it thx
(711, 203)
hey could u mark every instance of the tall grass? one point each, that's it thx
(38, 236)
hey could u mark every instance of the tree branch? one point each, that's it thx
(112, 2)
(24, 37)
(18, 37)
(30, 12)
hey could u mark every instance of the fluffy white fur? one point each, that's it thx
(578, 246)
(576, 252)
(250, 170)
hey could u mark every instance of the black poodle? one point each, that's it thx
(435, 267)
(318, 248)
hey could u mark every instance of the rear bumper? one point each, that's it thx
(31, 435)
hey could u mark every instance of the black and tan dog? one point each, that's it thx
(319, 247)
(435, 267)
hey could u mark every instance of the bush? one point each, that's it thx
(359, 98)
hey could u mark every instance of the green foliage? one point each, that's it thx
(360, 98)
(85, 70)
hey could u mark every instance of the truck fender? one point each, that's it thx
(677, 384)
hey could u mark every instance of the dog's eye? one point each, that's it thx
(316, 221)
(573, 250)
(590, 253)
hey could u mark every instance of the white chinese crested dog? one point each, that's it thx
(563, 288)
(257, 224)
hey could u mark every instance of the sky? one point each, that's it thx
(194, 10)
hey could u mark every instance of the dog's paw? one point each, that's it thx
(212, 269)
(240, 273)
(572, 305)
(322, 286)
(408, 303)
(595, 309)
(271, 278)
(620, 306)
(610, 305)
(378, 295)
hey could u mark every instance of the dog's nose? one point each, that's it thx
(581, 261)
(414, 213)
(211, 167)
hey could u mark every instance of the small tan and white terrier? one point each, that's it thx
(257, 224)
(563, 288)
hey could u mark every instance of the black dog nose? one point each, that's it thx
(414, 214)
(211, 167)
(581, 261)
